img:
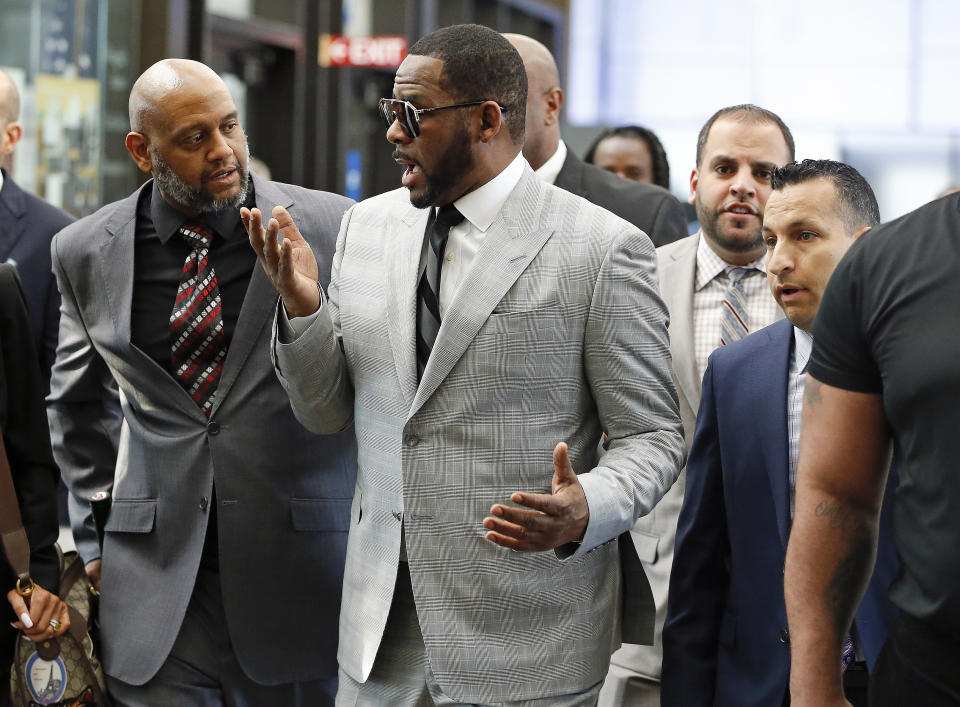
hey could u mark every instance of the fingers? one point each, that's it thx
(285, 224)
(48, 617)
(20, 608)
(92, 569)
(563, 473)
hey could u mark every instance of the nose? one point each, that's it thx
(780, 259)
(396, 134)
(220, 149)
(744, 185)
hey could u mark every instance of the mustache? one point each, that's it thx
(399, 155)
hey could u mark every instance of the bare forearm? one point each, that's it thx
(829, 560)
(840, 483)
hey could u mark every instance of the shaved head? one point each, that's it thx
(544, 99)
(162, 79)
(9, 100)
(185, 130)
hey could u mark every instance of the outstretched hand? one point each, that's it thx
(553, 520)
(291, 265)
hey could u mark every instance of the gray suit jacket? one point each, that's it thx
(557, 333)
(655, 534)
(653, 210)
(283, 494)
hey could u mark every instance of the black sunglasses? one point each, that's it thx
(405, 113)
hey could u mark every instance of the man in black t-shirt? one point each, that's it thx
(884, 368)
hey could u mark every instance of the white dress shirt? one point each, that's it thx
(479, 208)
(802, 346)
(550, 169)
(710, 285)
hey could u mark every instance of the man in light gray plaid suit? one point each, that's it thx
(480, 567)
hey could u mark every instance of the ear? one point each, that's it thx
(138, 145)
(11, 136)
(694, 178)
(861, 232)
(554, 102)
(491, 121)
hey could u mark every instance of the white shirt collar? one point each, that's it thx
(802, 347)
(481, 206)
(709, 264)
(1, 179)
(551, 168)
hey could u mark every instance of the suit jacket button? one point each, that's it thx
(784, 636)
(411, 440)
(396, 514)
(213, 428)
(203, 503)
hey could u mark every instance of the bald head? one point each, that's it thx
(9, 100)
(164, 78)
(544, 99)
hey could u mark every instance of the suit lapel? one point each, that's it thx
(117, 263)
(12, 223)
(511, 243)
(773, 369)
(402, 251)
(259, 302)
(677, 278)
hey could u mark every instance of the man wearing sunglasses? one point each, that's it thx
(482, 329)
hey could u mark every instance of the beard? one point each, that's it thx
(734, 243)
(456, 160)
(198, 200)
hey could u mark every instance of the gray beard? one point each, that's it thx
(199, 200)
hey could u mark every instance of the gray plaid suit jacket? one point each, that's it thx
(558, 333)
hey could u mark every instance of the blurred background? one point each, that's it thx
(863, 81)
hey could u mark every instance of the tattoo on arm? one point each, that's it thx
(842, 592)
(811, 391)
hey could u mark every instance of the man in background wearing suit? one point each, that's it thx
(475, 332)
(653, 210)
(713, 285)
(223, 554)
(725, 641)
(27, 224)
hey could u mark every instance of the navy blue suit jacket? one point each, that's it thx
(27, 225)
(725, 641)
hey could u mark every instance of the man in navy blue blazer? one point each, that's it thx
(27, 225)
(725, 639)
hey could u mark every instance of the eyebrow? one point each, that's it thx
(232, 115)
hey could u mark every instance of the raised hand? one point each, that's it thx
(553, 520)
(290, 265)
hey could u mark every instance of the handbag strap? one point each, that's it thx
(14, 537)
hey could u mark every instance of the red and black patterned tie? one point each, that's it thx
(197, 340)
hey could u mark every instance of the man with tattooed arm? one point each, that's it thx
(883, 370)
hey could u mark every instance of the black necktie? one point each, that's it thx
(428, 290)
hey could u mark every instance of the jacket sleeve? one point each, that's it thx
(669, 223)
(312, 367)
(25, 434)
(700, 577)
(84, 413)
(627, 361)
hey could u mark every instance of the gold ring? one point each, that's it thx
(56, 626)
(25, 591)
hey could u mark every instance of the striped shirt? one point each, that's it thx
(802, 345)
(710, 285)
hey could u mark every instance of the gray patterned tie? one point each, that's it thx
(428, 290)
(735, 323)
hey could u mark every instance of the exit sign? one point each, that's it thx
(386, 51)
